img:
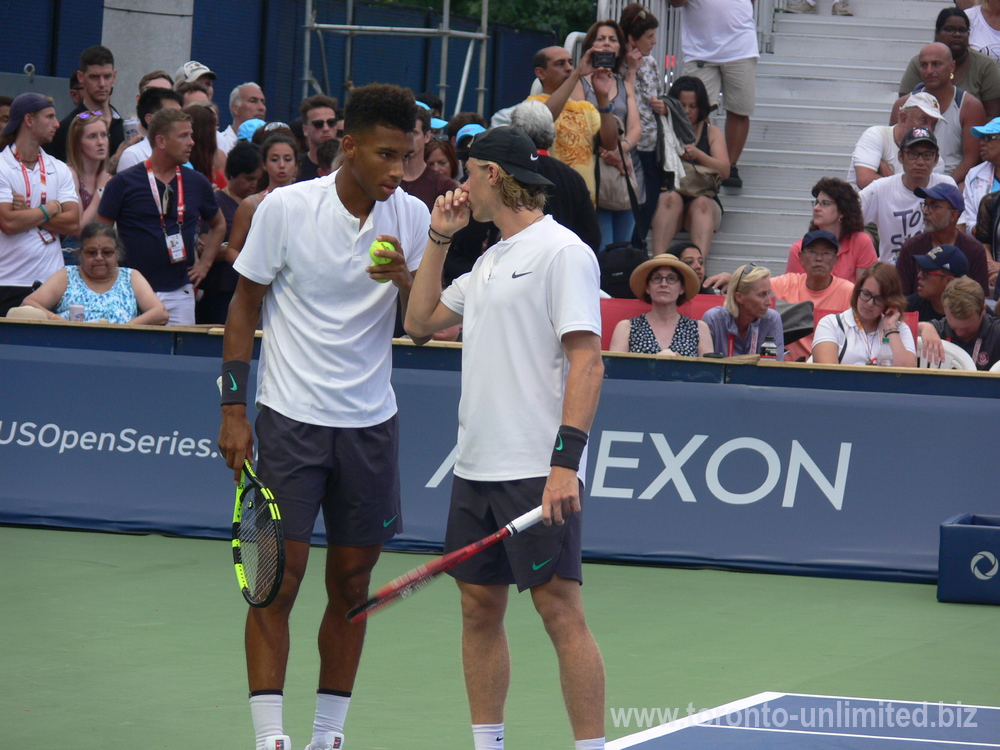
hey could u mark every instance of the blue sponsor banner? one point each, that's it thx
(704, 473)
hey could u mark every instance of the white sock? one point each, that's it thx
(595, 744)
(265, 710)
(331, 711)
(487, 736)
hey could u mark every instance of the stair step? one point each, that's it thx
(886, 11)
(887, 50)
(817, 89)
(914, 30)
(808, 68)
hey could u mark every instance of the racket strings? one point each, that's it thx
(259, 544)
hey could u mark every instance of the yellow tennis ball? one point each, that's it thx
(378, 260)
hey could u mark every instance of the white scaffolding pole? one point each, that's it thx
(444, 31)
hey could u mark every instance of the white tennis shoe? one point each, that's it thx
(330, 741)
(277, 742)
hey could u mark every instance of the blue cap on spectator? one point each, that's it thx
(248, 128)
(466, 131)
(943, 192)
(944, 258)
(820, 234)
(436, 122)
(990, 128)
(25, 104)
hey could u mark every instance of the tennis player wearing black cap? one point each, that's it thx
(531, 377)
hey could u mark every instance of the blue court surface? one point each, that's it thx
(821, 722)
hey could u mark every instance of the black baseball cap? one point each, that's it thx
(820, 235)
(918, 135)
(513, 150)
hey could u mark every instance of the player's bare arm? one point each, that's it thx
(583, 391)
(235, 435)
(425, 315)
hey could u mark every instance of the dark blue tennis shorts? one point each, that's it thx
(530, 557)
(351, 473)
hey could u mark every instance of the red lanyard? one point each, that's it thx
(45, 234)
(27, 181)
(753, 343)
(159, 201)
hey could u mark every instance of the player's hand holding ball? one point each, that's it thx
(388, 263)
(378, 260)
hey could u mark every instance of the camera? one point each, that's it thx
(603, 60)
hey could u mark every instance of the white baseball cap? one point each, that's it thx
(926, 103)
(191, 71)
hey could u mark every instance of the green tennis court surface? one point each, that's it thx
(118, 641)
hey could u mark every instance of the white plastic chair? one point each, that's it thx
(996, 366)
(955, 357)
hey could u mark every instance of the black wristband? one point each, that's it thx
(235, 374)
(569, 446)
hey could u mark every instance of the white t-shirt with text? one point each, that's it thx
(896, 212)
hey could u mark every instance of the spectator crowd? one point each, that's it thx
(139, 220)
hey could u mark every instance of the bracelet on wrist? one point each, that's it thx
(45, 213)
(892, 330)
(444, 241)
(235, 374)
(568, 450)
(606, 110)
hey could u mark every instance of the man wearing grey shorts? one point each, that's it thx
(531, 377)
(327, 423)
(719, 42)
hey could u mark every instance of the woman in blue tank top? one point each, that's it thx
(105, 291)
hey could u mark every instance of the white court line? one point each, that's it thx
(884, 700)
(711, 714)
(943, 740)
(708, 714)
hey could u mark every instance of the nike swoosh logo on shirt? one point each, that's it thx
(517, 275)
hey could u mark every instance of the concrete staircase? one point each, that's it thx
(828, 79)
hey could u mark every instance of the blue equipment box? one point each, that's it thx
(969, 560)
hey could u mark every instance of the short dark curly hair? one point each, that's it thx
(848, 203)
(380, 104)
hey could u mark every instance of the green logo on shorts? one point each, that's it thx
(539, 566)
(385, 524)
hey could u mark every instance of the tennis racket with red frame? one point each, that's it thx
(420, 576)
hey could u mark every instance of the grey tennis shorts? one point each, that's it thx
(351, 473)
(528, 558)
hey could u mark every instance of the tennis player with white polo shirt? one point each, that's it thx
(327, 425)
(531, 378)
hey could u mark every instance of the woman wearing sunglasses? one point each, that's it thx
(854, 336)
(106, 292)
(747, 320)
(87, 157)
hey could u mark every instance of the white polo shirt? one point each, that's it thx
(25, 257)
(137, 153)
(516, 303)
(861, 346)
(326, 356)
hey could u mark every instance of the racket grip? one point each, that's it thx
(525, 521)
